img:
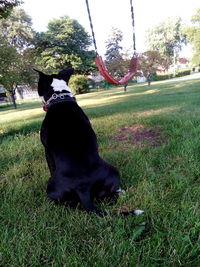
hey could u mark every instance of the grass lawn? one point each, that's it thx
(152, 135)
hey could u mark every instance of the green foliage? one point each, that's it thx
(165, 76)
(193, 36)
(9, 70)
(113, 47)
(117, 62)
(167, 38)
(16, 50)
(16, 30)
(161, 77)
(64, 44)
(184, 72)
(6, 7)
(196, 17)
(79, 83)
(149, 62)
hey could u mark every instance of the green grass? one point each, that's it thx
(163, 181)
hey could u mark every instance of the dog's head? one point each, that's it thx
(55, 83)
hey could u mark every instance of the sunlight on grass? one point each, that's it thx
(20, 115)
(156, 111)
(101, 101)
(151, 91)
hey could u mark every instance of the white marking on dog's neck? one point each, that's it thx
(60, 85)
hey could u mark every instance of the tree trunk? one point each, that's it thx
(13, 98)
(125, 87)
(149, 80)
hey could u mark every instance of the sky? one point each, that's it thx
(112, 13)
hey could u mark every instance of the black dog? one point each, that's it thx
(78, 173)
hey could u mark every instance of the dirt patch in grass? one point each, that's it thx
(141, 136)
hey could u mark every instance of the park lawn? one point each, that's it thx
(161, 178)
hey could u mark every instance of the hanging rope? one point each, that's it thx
(99, 61)
(133, 24)
(91, 26)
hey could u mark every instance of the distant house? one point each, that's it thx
(182, 63)
(96, 77)
(24, 92)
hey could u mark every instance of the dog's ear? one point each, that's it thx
(39, 72)
(44, 80)
(66, 74)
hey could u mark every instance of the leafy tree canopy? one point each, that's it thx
(117, 62)
(149, 63)
(193, 36)
(6, 7)
(196, 17)
(16, 51)
(113, 46)
(166, 37)
(16, 29)
(64, 44)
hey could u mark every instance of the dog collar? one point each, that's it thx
(58, 98)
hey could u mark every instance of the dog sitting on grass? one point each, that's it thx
(78, 173)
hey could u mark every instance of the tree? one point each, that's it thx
(113, 47)
(149, 62)
(79, 83)
(17, 30)
(6, 7)
(193, 36)
(117, 62)
(9, 68)
(16, 49)
(64, 44)
(167, 38)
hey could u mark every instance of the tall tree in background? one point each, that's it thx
(117, 62)
(16, 39)
(64, 44)
(149, 63)
(17, 30)
(9, 71)
(167, 38)
(113, 47)
(193, 36)
(6, 7)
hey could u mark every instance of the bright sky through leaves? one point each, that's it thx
(111, 13)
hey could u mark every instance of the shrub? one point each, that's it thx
(165, 76)
(161, 77)
(79, 83)
(184, 72)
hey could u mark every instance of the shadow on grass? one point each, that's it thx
(21, 106)
(158, 97)
(142, 99)
(25, 129)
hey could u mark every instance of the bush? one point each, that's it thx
(79, 83)
(166, 76)
(180, 73)
(161, 77)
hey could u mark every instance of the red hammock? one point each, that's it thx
(104, 72)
